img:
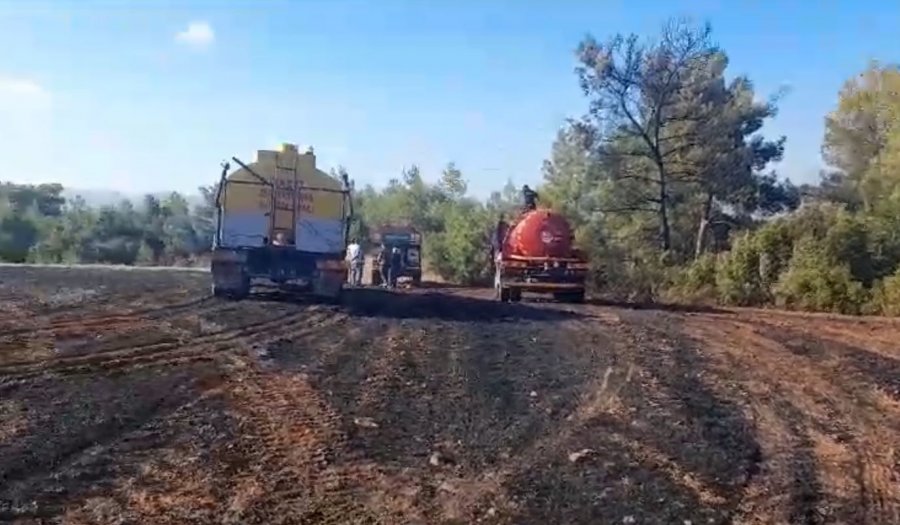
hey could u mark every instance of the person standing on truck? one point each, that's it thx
(497, 238)
(355, 261)
(529, 198)
(396, 266)
(383, 260)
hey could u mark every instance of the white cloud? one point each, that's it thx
(17, 94)
(197, 34)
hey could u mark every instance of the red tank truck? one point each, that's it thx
(537, 255)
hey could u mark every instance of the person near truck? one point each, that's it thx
(497, 238)
(529, 198)
(355, 261)
(383, 260)
(395, 266)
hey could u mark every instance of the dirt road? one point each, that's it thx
(133, 397)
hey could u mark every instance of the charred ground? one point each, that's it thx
(133, 397)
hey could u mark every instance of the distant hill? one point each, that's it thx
(98, 197)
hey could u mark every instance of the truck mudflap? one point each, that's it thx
(328, 286)
(329, 278)
(229, 274)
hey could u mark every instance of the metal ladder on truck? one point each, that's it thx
(282, 210)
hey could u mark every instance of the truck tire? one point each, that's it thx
(515, 295)
(570, 297)
(241, 291)
(328, 288)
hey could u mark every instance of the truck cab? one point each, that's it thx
(409, 241)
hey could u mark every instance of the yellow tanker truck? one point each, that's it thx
(281, 220)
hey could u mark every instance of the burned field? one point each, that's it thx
(132, 396)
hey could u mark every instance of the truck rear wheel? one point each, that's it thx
(242, 291)
(328, 287)
(238, 293)
(230, 282)
(570, 297)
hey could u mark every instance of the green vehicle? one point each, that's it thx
(409, 240)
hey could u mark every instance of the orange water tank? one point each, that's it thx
(540, 233)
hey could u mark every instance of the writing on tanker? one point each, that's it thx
(284, 191)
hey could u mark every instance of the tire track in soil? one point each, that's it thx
(19, 479)
(629, 466)
(507, 446)
(455, 388)
(292, 443)
(780, 438)
(95, 335)
(815, 430)
(336, 370)
(34, 288)
(721, 412)
(164, 353)
(205, 348)
(82, 465)
(247, 337)
(83, 322)
(395, 374)
(163, 326)
(43, 337)
(81, 438)
(292, 456)
(856, 423)
(175, 469)
(845, 421)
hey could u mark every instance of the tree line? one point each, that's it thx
(39, 225)
(667, 178)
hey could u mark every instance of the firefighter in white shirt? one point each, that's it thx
(355, 260)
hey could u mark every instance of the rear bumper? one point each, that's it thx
(543, 276)
(275, 264)
(543, 287)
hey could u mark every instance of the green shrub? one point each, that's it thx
(738, 279)
(640, 277)
(460, 253)
(775, 243)
(815, 281)
(847, 241)
(696, 282)
(886, 296)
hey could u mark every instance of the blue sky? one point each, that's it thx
(147, 95)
